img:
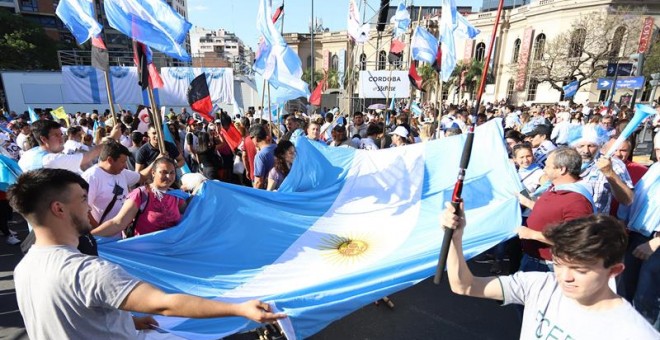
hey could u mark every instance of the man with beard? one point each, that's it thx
(608, 177)
(63, 294)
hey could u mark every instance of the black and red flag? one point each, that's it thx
(147, 72)
(229, 132)
(414, 77)
(100, 59)
(199, 97)
(278, 13)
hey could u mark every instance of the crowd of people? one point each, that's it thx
(117, 167)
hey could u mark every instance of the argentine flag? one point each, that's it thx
(346, 228)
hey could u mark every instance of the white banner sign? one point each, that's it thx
(381, 84)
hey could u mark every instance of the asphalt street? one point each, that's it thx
(424, 311)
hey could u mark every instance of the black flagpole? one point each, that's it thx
(465, 158)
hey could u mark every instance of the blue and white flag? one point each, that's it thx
(452, 22)
(78, 16)
(417, 111)
(400, 20)
(9, 172)
(151, 22)
(571, 89)
(346, 228)
(643, 215)
(33, 115)
(276, 61)
(424, 45)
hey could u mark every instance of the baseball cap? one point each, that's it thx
(541, 129)
(400, 131)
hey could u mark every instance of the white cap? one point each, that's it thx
(400, 131)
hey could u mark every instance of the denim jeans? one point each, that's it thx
(531, 264)
(640, 281)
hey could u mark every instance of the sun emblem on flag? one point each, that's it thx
(345, 248)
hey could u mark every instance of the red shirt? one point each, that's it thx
(552, 208)
(251, 151)
(636, 171)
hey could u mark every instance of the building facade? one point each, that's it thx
(524, 32)
(219, 48)
(525, 41)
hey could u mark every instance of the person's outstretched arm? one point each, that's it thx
(460, 277)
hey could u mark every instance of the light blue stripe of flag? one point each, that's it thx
(151, 22)
(417, 111)
(424, 45)
(386, 203)
(9, 172)
(643, 215)
(33, 115)
(167, 136)
(78, 16)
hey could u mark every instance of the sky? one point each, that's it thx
(239, 16)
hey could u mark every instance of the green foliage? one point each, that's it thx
(307, 76)
(652, 61)
(24, 45)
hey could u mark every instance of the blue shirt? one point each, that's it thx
(264, 161)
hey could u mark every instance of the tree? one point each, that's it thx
(652, 60)
(582, 52)
(429, 77)
(24, 45)
(307, 77)
(467, 76)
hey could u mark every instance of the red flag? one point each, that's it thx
(414, 77)
(199, 97)
(229, 131)
(278, 12)
(315, 97)
(396, 51)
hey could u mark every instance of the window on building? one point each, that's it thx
(531, 89)
(363, 62)
(382, 60)
(480, 53)
(578, 38)
(516, 50)
(29, 5)
(509, 89)
(539, 47)
(334, 62)
(617, 40)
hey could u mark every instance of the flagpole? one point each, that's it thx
(155, 118)
(110, 99)
(387, 102)
(465, 157)
(270, 113)
(106, 76)
(410, 61)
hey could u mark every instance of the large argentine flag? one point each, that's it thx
(347, 228)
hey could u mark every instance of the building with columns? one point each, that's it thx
(524, 32)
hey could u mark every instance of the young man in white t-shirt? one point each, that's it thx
(574, 302)
(107, 179)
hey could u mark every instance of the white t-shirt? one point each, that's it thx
(101, 186)
(63, 294)
(62, 161)
(72, 146)
(20, 141)
(551, 315)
